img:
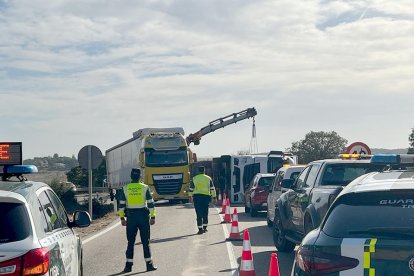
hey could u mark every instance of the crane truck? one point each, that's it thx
(164, 157)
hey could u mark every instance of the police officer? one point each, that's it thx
(137, 205)
(202, 189)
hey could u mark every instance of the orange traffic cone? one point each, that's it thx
(246, 265)
(235, 233)
(227, 217)
(223, 206)
(219, 200)
(274, 266)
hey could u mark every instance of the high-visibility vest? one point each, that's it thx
(202, 184)
(136, 198)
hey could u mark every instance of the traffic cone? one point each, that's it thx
(219, 200)
(235, 233)
(223, 206)
(246, 264)
(274, 266)
(227, 217)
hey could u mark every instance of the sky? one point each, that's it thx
(76, 73)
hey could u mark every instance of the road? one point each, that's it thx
(177, 250)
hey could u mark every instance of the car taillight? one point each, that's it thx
(316, 263)
(36, 262)
(11, 267)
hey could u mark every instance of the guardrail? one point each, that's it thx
(94, 189)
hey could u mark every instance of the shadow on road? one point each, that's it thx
(169, 239)
(127, 273)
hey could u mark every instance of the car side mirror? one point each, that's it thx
(287, 183)
(81, 219)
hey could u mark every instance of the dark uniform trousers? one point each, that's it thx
(138, 219)
(201, 203)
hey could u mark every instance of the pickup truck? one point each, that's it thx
(302, 208)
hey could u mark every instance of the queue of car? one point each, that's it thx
(345, 216)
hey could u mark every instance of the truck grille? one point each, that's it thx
(168, 184)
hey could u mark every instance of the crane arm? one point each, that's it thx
(219, 123)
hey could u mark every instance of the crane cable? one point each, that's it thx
(253, 141)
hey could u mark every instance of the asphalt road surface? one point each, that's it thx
(178, 250)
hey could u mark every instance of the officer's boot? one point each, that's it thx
(200, 231)
(205, 229)
(128, 267)
(150, 266)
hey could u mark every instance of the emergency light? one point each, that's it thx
(393, 159)
(354, 156)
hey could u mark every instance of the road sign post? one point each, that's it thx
(90, 157)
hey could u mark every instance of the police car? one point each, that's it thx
(36, 236)
(369, 229)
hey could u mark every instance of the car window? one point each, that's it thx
(353, 214)
(342, 174)
(265, 181)
(313, 173)
(58, 206)
(14, 221)
(53, 221)
(294, 175)
(300, 182)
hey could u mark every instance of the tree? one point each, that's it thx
(318, 145)
(411, 139)
(79, 176)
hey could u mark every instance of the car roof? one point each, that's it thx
(381, 181)
(25, 188)
(341, 161)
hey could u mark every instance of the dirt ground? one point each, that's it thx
(97, 225)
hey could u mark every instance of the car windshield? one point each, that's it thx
(165, 158)
(14, 222)
(265, 181)
(342, 174)
(381, 214)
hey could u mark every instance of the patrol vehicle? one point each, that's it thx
(369, 229)
(36, 235)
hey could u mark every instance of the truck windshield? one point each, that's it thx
(166, 158)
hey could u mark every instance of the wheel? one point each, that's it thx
(246, 209)
(253, 212)
(269, 222)
(279, 239)
(308, 225)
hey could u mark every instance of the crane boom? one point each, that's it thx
(219, 123)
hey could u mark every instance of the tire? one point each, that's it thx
(308, 225)
(279, 239)
(269, 222)
(246, 209)
(253, 212)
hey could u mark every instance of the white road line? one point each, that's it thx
(101, 233)
(232, 257)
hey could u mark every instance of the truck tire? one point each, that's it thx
(279, 239)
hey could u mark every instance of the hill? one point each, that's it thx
(396, 151)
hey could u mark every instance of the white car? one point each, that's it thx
(284, 178)
(36, 235)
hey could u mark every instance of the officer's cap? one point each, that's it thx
(135, 173)
(201, 169)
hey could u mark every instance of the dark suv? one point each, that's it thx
(368, 230)
(36, 235)
(302, 208)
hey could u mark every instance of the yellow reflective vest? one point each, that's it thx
(136, 196)
(203, 185)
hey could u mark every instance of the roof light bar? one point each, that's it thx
(354, 156)
(393, 159)
(20, 169)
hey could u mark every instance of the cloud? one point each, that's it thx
(81, 72)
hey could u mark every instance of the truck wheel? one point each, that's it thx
(253, 212)
(279, 239)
